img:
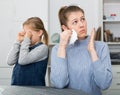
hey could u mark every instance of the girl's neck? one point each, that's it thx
(35, 43)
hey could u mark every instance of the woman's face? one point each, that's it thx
(76, 21)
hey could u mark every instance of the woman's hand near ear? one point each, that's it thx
(64, 39)
(91, 47)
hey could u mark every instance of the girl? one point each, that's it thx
(86, 63)
(29, 54)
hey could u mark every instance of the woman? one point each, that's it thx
(86, 63)
(29, 54)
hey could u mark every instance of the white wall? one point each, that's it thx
(6, 30)
(91, 13)
(12, 14)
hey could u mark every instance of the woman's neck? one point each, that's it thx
(82, 38)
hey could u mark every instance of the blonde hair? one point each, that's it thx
(36, 24)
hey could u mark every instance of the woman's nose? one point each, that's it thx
(81, 23)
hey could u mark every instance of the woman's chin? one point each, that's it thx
(82, 36)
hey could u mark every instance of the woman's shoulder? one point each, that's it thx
(100, 44)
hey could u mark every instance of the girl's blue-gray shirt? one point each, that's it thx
(77, 70)
(30, 63)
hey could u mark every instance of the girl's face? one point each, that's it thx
(76, 21)
(34, 35)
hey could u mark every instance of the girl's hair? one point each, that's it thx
(36, 24)
(65, 11)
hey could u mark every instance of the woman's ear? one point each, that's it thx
(64, 27)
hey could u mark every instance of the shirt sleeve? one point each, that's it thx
(37, 54)
(59, 72)
(102, 71)
(13, 54)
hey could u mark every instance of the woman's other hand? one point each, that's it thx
(91, 41)
(91, 47)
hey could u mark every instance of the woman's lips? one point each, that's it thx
(82, 31)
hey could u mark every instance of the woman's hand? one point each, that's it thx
(20, 36)
(91, 47)
(91, 41)
(64, 37)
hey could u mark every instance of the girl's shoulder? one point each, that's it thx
(42, 46)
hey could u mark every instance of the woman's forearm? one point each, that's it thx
(61, 51)
(94, 56)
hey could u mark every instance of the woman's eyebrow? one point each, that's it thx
(82, 16)
(74, 19)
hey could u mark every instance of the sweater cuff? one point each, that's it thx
(26, 40)
(17, 44)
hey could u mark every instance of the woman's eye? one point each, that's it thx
(82, 19)
(75, 22)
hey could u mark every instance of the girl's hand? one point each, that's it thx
(20, 36)
(64, 37)
(28, 34)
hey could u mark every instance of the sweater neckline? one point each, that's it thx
(32, 47)
(84, 41)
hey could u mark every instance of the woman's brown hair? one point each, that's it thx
(36, 24)
(65, 11)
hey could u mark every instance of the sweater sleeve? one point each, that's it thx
(59, 72)
(37, 54)
(13, 54)
(102, 72)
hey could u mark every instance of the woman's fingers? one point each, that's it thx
(65, 36)
(92, 36)
(91, 41)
